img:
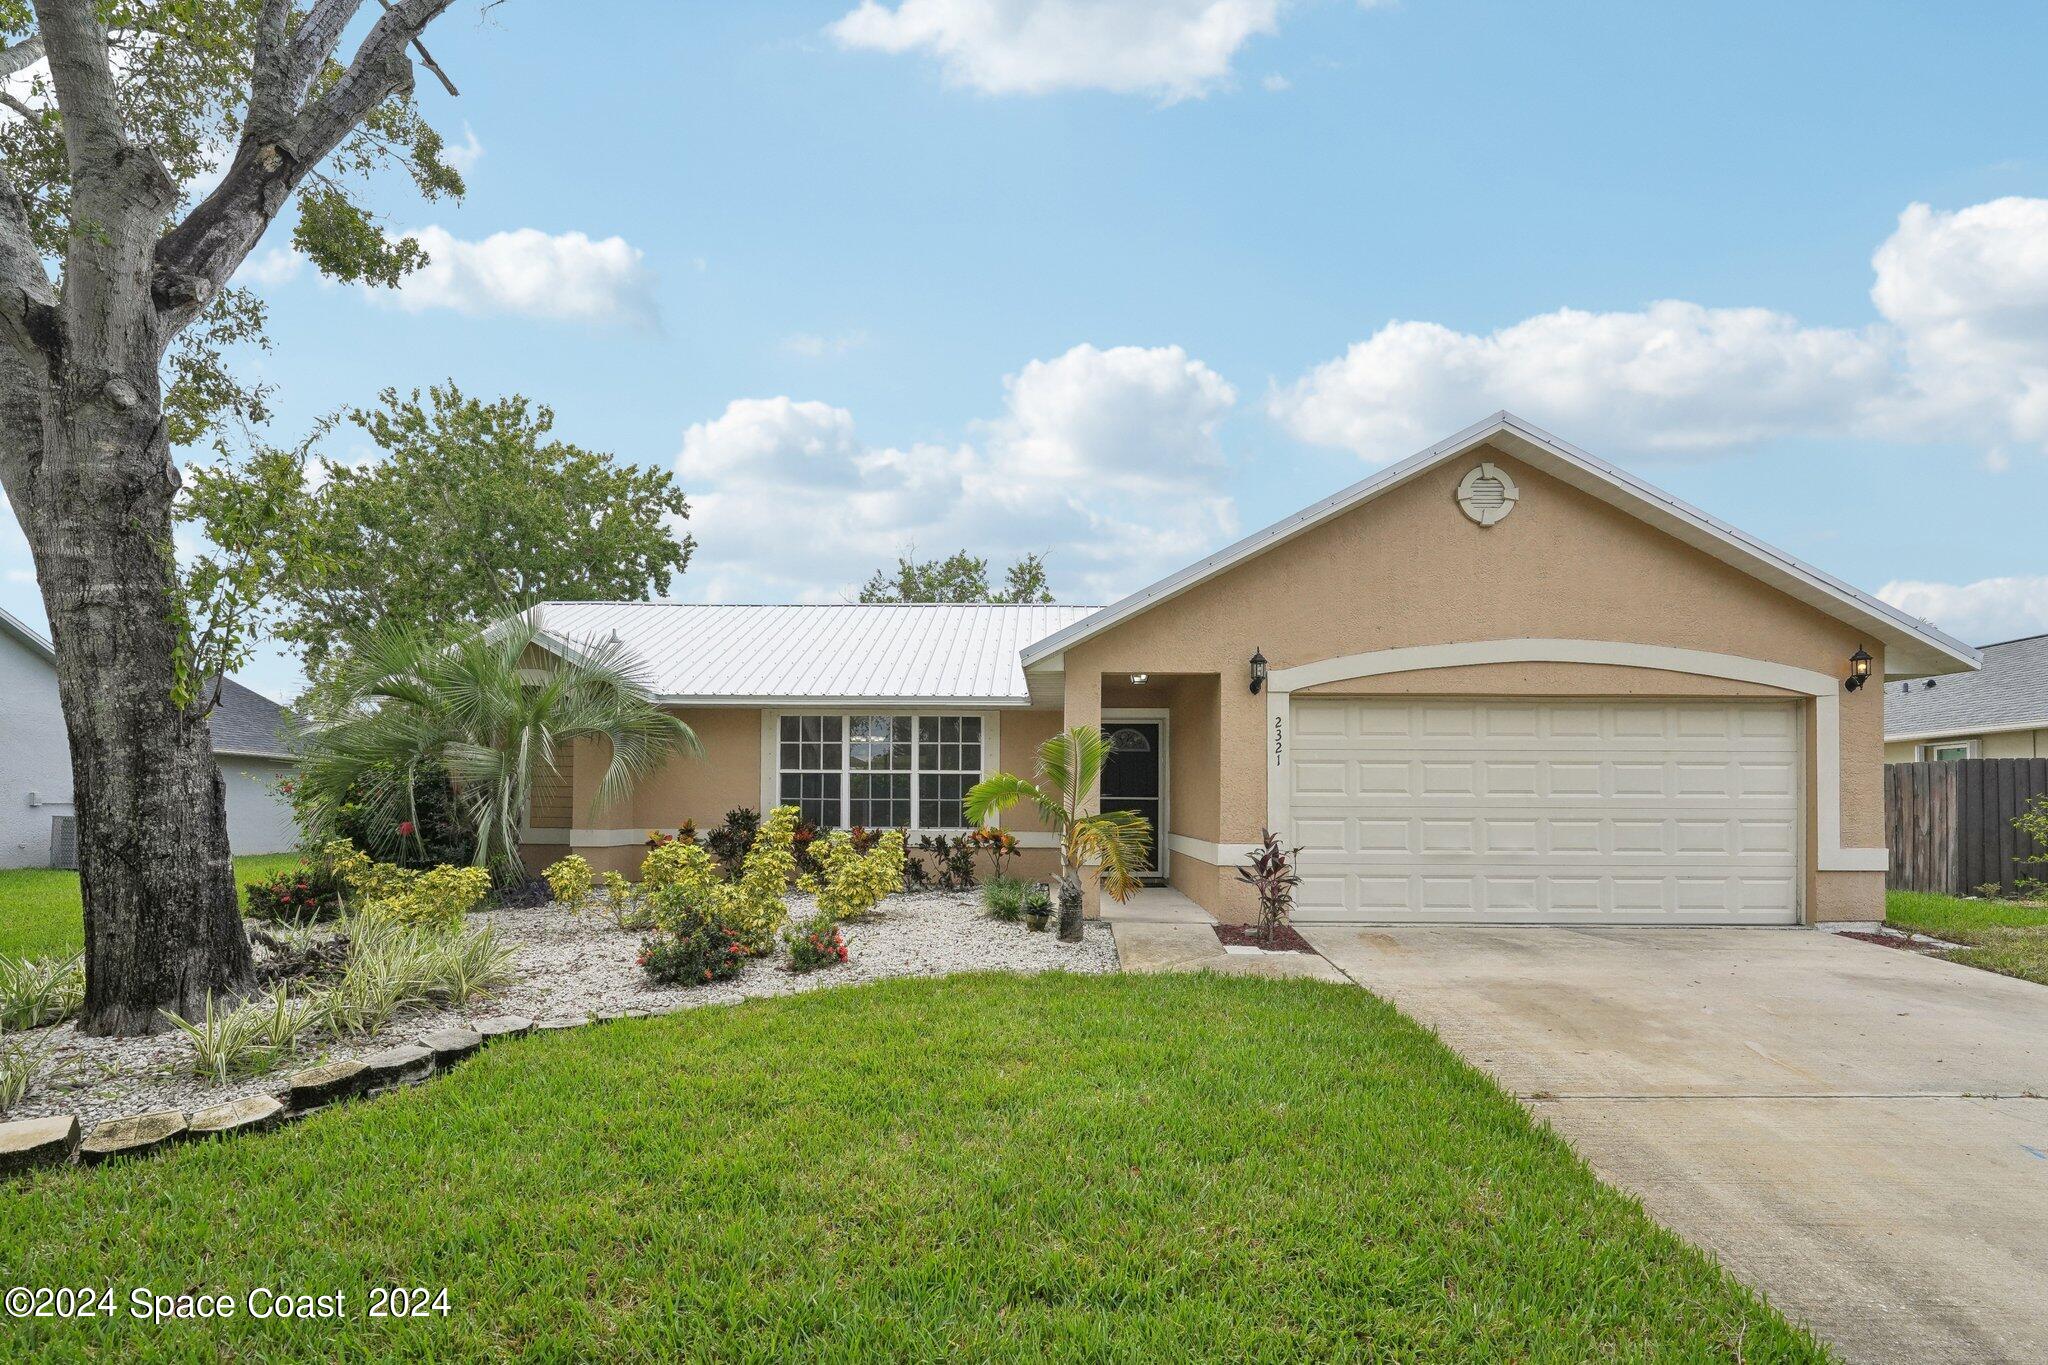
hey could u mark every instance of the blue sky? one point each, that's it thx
(1118, 281)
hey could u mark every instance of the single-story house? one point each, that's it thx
(1501, 681)
(38, 825)
(2000, 711)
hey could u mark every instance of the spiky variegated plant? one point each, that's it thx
(1068, 765)
(490, 710)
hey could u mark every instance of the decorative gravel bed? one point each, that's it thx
(570, 967)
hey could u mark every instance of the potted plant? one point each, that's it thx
(1068, 765)
(1037, 906)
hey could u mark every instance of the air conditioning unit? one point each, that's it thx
(64, 841)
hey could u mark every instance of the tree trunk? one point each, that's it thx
(1070, 906)
(162, 930)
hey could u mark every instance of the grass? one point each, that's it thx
(979, 1167)
(40, 910)
(2001, 936)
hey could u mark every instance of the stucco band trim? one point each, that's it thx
(1827, 739)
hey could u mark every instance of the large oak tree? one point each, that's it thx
(105, 264)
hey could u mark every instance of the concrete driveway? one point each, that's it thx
(1857, 1131)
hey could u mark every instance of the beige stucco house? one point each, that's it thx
(2000, 711)
(1501, 681)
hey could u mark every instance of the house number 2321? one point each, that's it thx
(1279, 739)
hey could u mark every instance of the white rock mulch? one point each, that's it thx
(574, 967)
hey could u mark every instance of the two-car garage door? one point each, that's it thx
(1545, 811)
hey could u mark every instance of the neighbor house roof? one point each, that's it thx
(246, 724)
(1912, 646)
(2009, 693)
(732, 655)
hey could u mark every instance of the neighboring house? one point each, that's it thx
(2000, 711)
(1500, 681)
(36, 813)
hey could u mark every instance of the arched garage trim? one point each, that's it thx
(1827, 710)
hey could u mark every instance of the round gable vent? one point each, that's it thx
(1487, 494)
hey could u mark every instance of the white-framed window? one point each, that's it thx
(812, 766)
(1948, 750)
(880, 771)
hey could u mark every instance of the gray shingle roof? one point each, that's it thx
(250, 725)
(2009, 692)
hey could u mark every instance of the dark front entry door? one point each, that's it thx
(1131, 777)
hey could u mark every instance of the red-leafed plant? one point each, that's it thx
(1269, 871)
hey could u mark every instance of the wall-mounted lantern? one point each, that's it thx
(1859, 669)
(1258, 670)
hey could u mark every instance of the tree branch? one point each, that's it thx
(21, 56)
(270, 99)
(314, 43)
(77, 49)
(196, 257)
(27, 299)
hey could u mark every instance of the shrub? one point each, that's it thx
(848, 883)
(227, 1044)
(308, 893)
(816, 943)
(694, 954)
(1000, 846)
(628, 906)
(730, 842)
(952, 861)
(437, 898)
(1003, 897)
(283, 1018)
(35, 991)
(678, 864)
(686, 889)
(686, 833)
(571, 880)
(1269, 871)
(1036, 901)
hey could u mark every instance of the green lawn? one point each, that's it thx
(1141, 1167)
(40, 911)
(2003, 936)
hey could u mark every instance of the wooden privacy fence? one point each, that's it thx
(1949, 825)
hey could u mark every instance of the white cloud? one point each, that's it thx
(1277, 83)
(1107, 459)
(1984, 612)
(818, 346)
(465, 157)
(1674, 377)
(275, 266)
(1959, 350)
(1173, 49)
(530, 273)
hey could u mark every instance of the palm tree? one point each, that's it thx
(491, 712)
(1068, 765)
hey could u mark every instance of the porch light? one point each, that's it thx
(1258, 670)
(1859, 669)
(1138, 679)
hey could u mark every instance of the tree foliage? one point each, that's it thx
(960, 577)
(474, 513)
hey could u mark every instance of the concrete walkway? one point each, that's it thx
(1856, 1130)
(1161, 930)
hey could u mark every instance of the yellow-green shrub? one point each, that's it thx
(849, 883)
(682, 884)
(571, 880)
(384, 892)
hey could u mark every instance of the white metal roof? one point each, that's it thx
(735, 655)
(1912, 647)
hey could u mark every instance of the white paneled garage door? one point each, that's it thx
(1545, 811)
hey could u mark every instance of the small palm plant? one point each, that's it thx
(1068, 765)
(491, 711)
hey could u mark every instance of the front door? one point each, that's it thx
(1131, 778)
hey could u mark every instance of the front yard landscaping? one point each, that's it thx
(1998, 935)
(982, 1166)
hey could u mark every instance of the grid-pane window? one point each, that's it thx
(878, 771)
(812, 763)
(948, 763)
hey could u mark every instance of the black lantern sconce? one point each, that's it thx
(1859, 669)
(1258, 671)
